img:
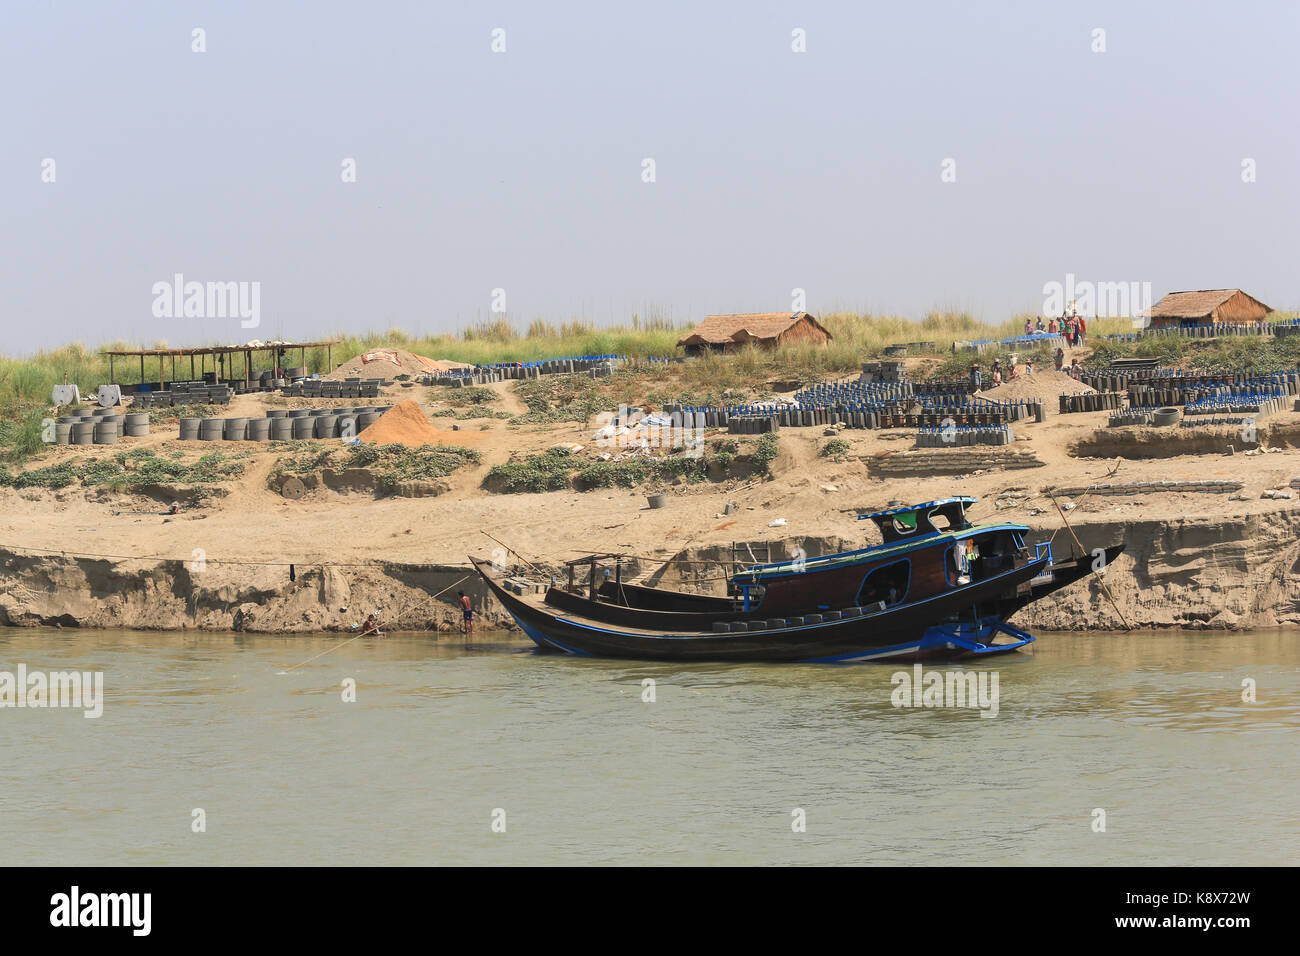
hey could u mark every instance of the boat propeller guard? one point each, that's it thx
(976, 637)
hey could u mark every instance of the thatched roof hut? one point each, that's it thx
(1206, 307)
(768, 329)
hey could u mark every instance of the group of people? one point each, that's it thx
(997, 376)
(1072, 327)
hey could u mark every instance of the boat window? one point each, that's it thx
(940, 521)
(905, 523)
(963, 563)
(888, 584)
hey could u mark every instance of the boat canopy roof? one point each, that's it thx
(914, 521)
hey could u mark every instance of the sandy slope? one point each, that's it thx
(811, 493)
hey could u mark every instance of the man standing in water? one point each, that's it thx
(467, 606)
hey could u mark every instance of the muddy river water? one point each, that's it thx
(216, 749)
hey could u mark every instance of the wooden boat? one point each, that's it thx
(937, 586)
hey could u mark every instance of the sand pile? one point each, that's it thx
(405, 424)
(1042, 386)
(389, 363)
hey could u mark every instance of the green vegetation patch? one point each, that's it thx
(835, 449)
(548, 471)
(765, 452)
(561, 398)
(555, 470)
(390, 464)
(126, 470)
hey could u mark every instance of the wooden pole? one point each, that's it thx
(514, 552)
(1084, 552)
(141, 368)
(111, 377)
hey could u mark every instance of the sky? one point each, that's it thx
(912, 156)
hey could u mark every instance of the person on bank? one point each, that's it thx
(467, 609)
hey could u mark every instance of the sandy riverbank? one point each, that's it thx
(1193, 560)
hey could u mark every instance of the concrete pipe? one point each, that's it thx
(303, 427)
(135, 431)
(236, 429)
(105, 433)
(366, 419)
(81, 433)
(259, 429)
(327, 426)
(137, 419)
(1164, 417)
(190, 429)
(63, 433)
(281, 429)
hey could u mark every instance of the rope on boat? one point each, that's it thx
(1099, 578)
(1109, 474)
(368, 633)
(397, 618)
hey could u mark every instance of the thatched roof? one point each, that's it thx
(1195, 305)
(726, 329)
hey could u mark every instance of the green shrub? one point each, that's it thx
(390, 463)
(548, 471)
(765, 452)
(835, 449)
(23, 434)
(610, 474)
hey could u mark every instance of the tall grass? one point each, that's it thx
(26, 382)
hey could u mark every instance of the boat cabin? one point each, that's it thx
(916, 521)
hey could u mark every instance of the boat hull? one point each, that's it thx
(925, 629)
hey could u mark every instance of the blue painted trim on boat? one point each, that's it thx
(857, 596)
(811, 564)
(908, 509)
(911, 645)
(541, 640)
(699, 636)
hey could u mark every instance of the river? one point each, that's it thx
(574, 765)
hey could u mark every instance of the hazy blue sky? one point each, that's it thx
(522, 170)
